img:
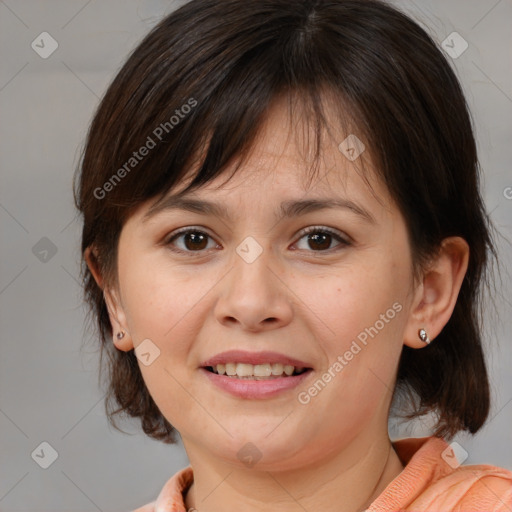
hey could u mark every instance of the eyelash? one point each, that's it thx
(312, 229)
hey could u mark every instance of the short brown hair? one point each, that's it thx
(233, 58)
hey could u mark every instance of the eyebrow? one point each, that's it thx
(288, 209)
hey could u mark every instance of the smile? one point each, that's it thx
(256, 371)
(251, 387)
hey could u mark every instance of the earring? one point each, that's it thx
(120, 335)
(424, 336)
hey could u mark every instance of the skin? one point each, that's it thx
(333, 453)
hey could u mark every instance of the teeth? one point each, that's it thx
(289, 369)
(261, 370)
(277, 369)
(244, 370)
(231, 368)
(257, 370)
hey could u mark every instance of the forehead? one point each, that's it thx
(281, 165)
(284, 150)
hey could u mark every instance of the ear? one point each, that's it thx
(436, 295)
(112, 301)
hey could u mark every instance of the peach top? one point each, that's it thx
(431, 481)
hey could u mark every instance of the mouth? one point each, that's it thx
(255, 375)
(265, 371)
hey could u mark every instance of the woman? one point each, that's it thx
(284, 236)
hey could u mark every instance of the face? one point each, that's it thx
(328, 289)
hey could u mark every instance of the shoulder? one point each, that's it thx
(171, 496)
(433, 479)
(479, 487)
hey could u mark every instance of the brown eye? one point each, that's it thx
(320, 239)
(191, 240)
(195, 241)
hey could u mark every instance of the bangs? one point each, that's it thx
(195, 108)
(316, 119)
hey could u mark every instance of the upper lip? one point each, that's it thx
(242, 356)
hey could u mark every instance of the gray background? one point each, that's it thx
(48, 385)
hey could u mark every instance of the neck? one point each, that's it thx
(346, 482)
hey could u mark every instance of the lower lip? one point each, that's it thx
(255, 389)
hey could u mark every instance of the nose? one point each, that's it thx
(254, 297)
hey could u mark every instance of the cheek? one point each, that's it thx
(357, 315)
(345, 301)
(362, 318)
(157, 296)
(161, 304)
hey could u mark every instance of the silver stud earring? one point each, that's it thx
(424, 336)
(120, 335)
